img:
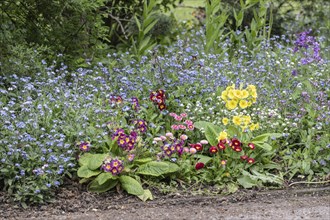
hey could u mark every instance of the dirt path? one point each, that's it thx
(310, 203)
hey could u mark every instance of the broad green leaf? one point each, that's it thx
(211, 131)
(85, 172)
(247, 182)
(146, 195)
(94, 186)
(143, 160)
(232, 131)
(103, 177)
(203, 159)
(269, 178)
(131, 185)
(96, 160)
(264, 146)
(264, 137)
(155, 168)
(84, 159)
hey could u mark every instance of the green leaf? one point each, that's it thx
(264, 146)
(247, 182)
(143, 160)
(264, 137)
(155, 168)
(131, 185)
(94, 186)
(84, 159)
(96, 160)
(232, 131)
(203, 159)
(85, 172)
(211, 131)
(146, 195)
(267, 178)
(103, 177)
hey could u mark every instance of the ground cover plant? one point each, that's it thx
(181, 114)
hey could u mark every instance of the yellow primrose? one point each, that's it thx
(243, 104)
(232, 104)
(225, 121)
(245, 94)
(231, 94)
(224, 95)
(238, 94)
(237, 120)
(222, 136)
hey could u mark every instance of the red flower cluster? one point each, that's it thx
(158, 97)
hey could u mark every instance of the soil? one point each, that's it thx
(73, 202)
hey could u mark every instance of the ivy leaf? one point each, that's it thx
(146, 195)
(131, 185)
(94, 186)
(85, 172)
(155, 168)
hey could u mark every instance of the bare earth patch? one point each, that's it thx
(73, 202)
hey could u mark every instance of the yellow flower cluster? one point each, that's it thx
(239, 97)
(244, 121)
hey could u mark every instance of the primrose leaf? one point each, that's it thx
(84, 159)
(156, 168)
(96, 160)
(247, 181)
(264, 146)
(103, 177)
(131, 185)
(85, 172)
(94, 186)
(146, 195)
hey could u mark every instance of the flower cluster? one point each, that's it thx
(114, 166)
(126, 142)
(233, 143)
(304, 40)
(158, 97)
(239, 97)
(170, 145)
(115, 100)
(186, 125)
(244, 121)
(141, 125)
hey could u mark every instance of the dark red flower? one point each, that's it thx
(251, 145)
(238, 149)
(221, 146)
(199, 166)
(250, 160)
(213, 150)
(244, 157)
(198, 147)
(161, 106)
(235, 143)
